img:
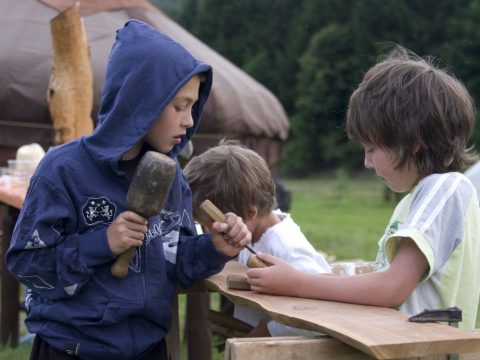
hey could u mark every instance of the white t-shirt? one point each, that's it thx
(286, 241)
(442, 216)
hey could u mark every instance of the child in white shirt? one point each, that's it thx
(237, 179)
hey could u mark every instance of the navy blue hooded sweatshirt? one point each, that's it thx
(59, 249)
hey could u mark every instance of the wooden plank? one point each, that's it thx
(379, 332)
(471, 356)
(288, 348)
(321, 347)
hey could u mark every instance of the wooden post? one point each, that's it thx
(70, 92)
(10, 289)
(199, 334)
(172, 339)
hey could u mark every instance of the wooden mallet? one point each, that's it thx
(146, 196)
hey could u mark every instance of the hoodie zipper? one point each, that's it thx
(144, 280)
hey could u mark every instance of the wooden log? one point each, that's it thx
(70, 92)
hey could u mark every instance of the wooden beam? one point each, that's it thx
(70, 92)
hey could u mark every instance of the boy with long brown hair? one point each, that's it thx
(413, 120)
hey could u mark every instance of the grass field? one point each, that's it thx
(342, 215)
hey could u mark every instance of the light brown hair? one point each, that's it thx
(233, 177)
(407, 103)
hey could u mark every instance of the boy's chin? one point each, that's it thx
(162, 149)
(396, 189)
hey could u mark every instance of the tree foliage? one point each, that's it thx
(313, 53)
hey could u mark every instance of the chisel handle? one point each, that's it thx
(212, 211)
(216, 214)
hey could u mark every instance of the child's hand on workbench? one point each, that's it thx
(278, 279)
(231, 236)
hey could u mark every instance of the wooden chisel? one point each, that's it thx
(216, 214)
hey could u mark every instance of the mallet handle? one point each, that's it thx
(119, 269)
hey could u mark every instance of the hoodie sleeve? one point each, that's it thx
(198, 259)
(46, 254)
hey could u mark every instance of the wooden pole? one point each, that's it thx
(198, 332)
(10, 289)
(70, 92)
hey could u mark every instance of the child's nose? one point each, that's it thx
(187, 120)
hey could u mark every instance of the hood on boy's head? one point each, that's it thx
(145, 70)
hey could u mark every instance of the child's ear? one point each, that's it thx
(252, 213)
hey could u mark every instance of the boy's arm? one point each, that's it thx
(231, 236)
(200, 256)
(389, 288)
(45, 253)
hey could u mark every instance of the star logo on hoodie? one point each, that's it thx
(98, 210)
(35, 241)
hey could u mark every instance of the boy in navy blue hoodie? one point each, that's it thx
(75, 222)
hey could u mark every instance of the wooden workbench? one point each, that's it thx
(381, 333)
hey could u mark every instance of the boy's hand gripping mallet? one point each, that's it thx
(146, 196)
(216, 214)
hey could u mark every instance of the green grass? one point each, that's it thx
(21, 352)
(342, 215)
